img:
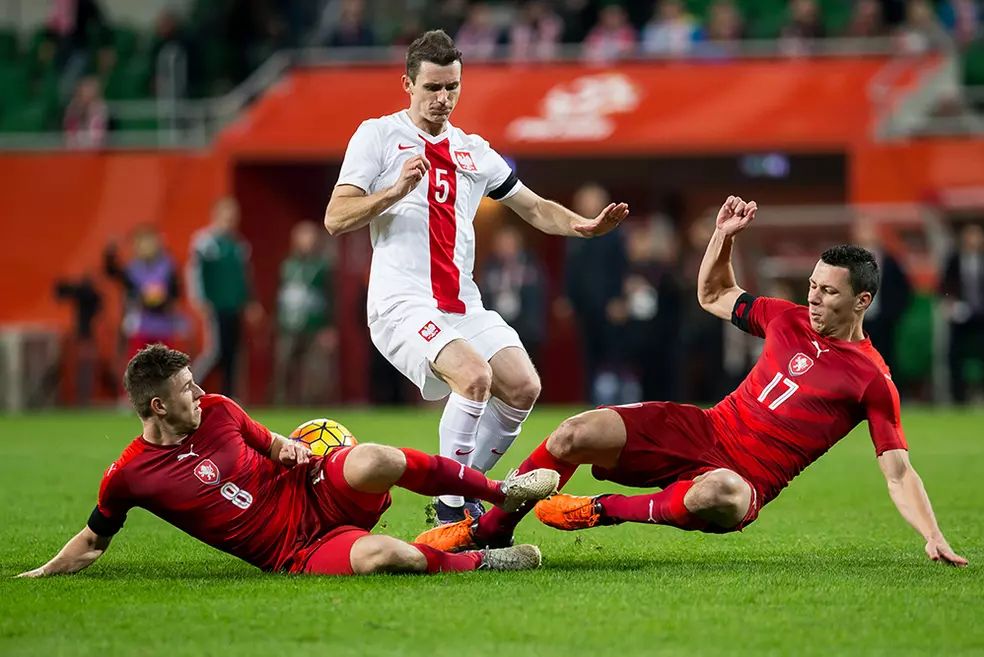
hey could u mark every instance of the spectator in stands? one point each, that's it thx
(170, 36)
(922, 30)
(448, 15)
(963, 304)
(670, 31)
(577, 16)
(255, 27)
(150, 283)
(804, 25)
(479, 36)
(894, 296)
(646, 316)
(76, 28)
(87, 116)
(613, 37)
(220, 287)
(867, 20)
(594, 271)
(535, 35)
(307, 339)
(724, 22)
(513, 285)
(962, 18)
(353, 29)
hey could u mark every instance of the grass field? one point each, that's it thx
(828, 569)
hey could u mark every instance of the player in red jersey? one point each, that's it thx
(817, 378)
(203, 465)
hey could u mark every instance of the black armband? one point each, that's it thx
(103, 526)
(742, 311)
(506, 187)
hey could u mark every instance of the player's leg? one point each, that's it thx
(374, 469)
(715, 501)
(593, 437)
(470, 380)
(515, 388)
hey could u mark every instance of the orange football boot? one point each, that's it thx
(568, 512)
(453, 537)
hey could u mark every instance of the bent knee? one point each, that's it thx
(524, 394)
(475, 380)
(726, 495)
(369, 461)
(570, 439)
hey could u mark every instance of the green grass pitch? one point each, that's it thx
(829, 568)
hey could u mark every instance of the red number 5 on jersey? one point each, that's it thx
(441, 186)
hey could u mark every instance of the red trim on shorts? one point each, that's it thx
(445, 283)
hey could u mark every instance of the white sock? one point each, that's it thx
(457, 430)
(498, 429)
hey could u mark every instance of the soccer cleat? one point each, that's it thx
(446, 514)
(569, 512)
(517, 557)
(528, 487)
(454, 537)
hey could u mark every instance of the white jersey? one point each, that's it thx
(424, 245)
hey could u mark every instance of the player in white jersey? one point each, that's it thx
(425, 311)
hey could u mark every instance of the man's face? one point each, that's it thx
(831, 299)
(183, 410)
(435, 92)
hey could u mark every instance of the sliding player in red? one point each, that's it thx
(210, 470)
(817, 378)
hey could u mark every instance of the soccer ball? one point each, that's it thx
(323, 435)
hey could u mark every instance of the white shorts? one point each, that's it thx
(411, 335)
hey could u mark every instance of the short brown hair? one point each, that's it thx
(148, 372)
(435, 47)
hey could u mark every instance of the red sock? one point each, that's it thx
(436, 475)
(496, 523)
(446, 562)
(663, 508)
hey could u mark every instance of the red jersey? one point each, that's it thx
(804, 394)
(218, 485)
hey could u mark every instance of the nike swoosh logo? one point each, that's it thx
(461, 453)
(495, 451)
(403, 148)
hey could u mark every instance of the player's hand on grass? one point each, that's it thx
(735, 214)
(32, 574)
(412, 173)
(294, 453)
(939, 550)
(607, 221)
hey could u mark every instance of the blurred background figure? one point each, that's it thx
(307, 340)
(219, 286)
(881, 322)
(150, 283)
(536, 33)
(867, 20)
(670, 31)
(612, 37)
(82, 353)
(86, 119)
(963, 304)
(646, 317)
(512, 284)
(804, 25)
(594, 270)
(479, 36)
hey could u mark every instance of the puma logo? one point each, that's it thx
(189, 453)
(816, 345)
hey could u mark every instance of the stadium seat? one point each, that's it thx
(915, 329)
(130, 79)
(973, 64)
(8, 45)
(33, 116)
(125, 41)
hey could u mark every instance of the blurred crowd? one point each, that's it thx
(62, 74)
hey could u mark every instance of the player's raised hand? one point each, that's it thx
(735, 214)
(607, 221)
(411, 174)
(294, 453)
(939, 550)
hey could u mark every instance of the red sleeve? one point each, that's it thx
(112, 504)
(255, 434)
(754, 314)
(883, 409)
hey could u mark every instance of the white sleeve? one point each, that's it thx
(363, 159)
(502, 181)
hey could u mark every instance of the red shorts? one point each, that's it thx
(345, 515)
(667, 442)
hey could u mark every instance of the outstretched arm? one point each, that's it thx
(350, 208)
(288, 452)
(717, 290)
(907, 491)
(79, 553)
(554, 219)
